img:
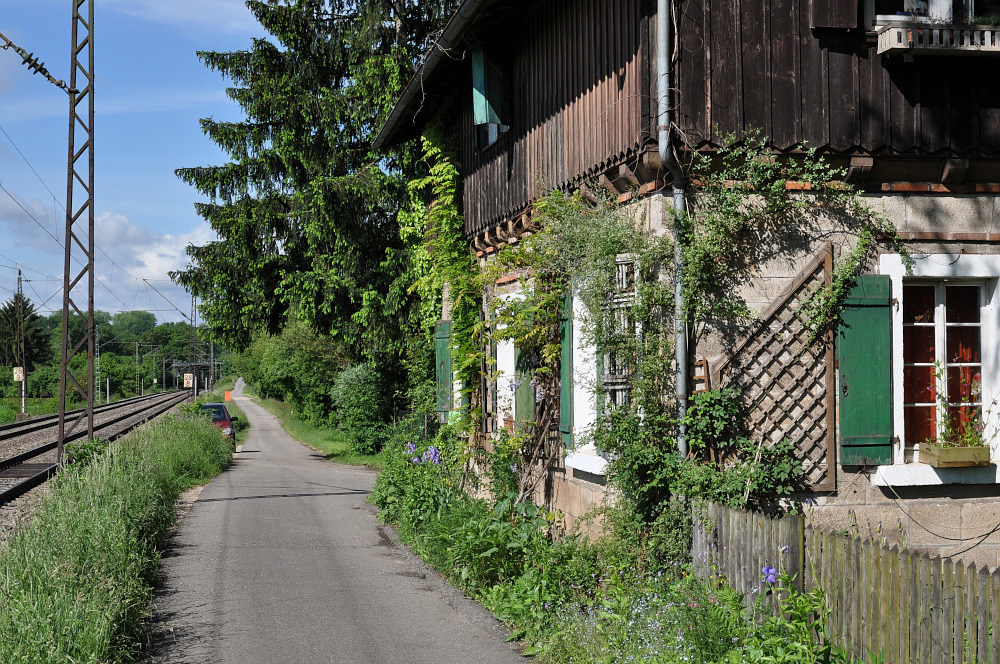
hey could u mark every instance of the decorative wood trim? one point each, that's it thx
(860, 169)
(953, 171)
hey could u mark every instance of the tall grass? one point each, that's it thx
(76, 581)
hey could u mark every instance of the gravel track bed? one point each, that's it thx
(12, 446)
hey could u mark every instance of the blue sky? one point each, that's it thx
(151, 90)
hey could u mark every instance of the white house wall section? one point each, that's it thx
(506, 372)
(584, 455)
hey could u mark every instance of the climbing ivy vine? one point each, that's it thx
(431, 229)
(743, 214)
(752, 208)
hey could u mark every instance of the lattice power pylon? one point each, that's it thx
(79, 180)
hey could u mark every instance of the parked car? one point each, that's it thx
(222, 419)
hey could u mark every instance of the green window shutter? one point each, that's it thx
(488, 97)
(864, 355)
(524, 394)
(442, 353)
(566, 371)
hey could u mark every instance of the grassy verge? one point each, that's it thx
(76, 581)
(331, 442)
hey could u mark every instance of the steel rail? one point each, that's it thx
(15, 429)
(36, 479)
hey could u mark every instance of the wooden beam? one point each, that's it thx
(609, 184)
(628, 175)
(954, 171)
(588, 194)
(860, 169)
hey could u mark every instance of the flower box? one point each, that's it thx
(948, 456)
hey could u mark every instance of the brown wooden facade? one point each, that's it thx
(581, 105)
(759, 64)
(581, 75)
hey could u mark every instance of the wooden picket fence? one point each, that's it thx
(907, 606)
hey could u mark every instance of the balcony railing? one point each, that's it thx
(940, 39)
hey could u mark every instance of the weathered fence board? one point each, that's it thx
(906, 606)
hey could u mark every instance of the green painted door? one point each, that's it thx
(442, 353)
(566, 372)
(864, 356)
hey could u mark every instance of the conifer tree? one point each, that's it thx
(305, 213)
(36, 338)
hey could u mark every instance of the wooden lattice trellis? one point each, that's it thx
(788, 384)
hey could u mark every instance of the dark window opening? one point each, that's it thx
(490, 100)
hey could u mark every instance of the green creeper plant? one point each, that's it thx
(745, 214)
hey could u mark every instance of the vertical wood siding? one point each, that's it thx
(580, 103)
(757, 64)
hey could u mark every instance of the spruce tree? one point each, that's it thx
(304, 211)
(36, 337)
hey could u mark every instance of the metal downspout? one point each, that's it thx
(663, 54)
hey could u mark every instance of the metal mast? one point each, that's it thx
(20, 347)
(80, 178)
(192, 349)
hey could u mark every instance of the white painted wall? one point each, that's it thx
(584, 456)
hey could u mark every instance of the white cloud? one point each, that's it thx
(29, 224)
(204, 16)
(127, 255)
(132, 254)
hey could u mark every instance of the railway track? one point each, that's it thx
(28, 449)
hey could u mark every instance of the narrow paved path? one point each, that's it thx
(280, 561)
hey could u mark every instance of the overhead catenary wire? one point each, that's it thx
(56, 202)
(31, 216)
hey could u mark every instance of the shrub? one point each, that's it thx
(362, 407)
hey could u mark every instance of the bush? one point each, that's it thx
(362, 407)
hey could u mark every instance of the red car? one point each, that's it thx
(221, 419)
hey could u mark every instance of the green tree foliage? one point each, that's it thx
(33, 328)
(362, 406)
(305, 212)
(299, 366)
(436, 255)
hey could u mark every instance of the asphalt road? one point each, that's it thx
(280, 560)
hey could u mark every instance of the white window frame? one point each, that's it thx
(584, 457)
(963, 268)
(941, 359)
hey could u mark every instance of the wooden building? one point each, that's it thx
(903, 94)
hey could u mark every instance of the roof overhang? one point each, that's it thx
(441, 63)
